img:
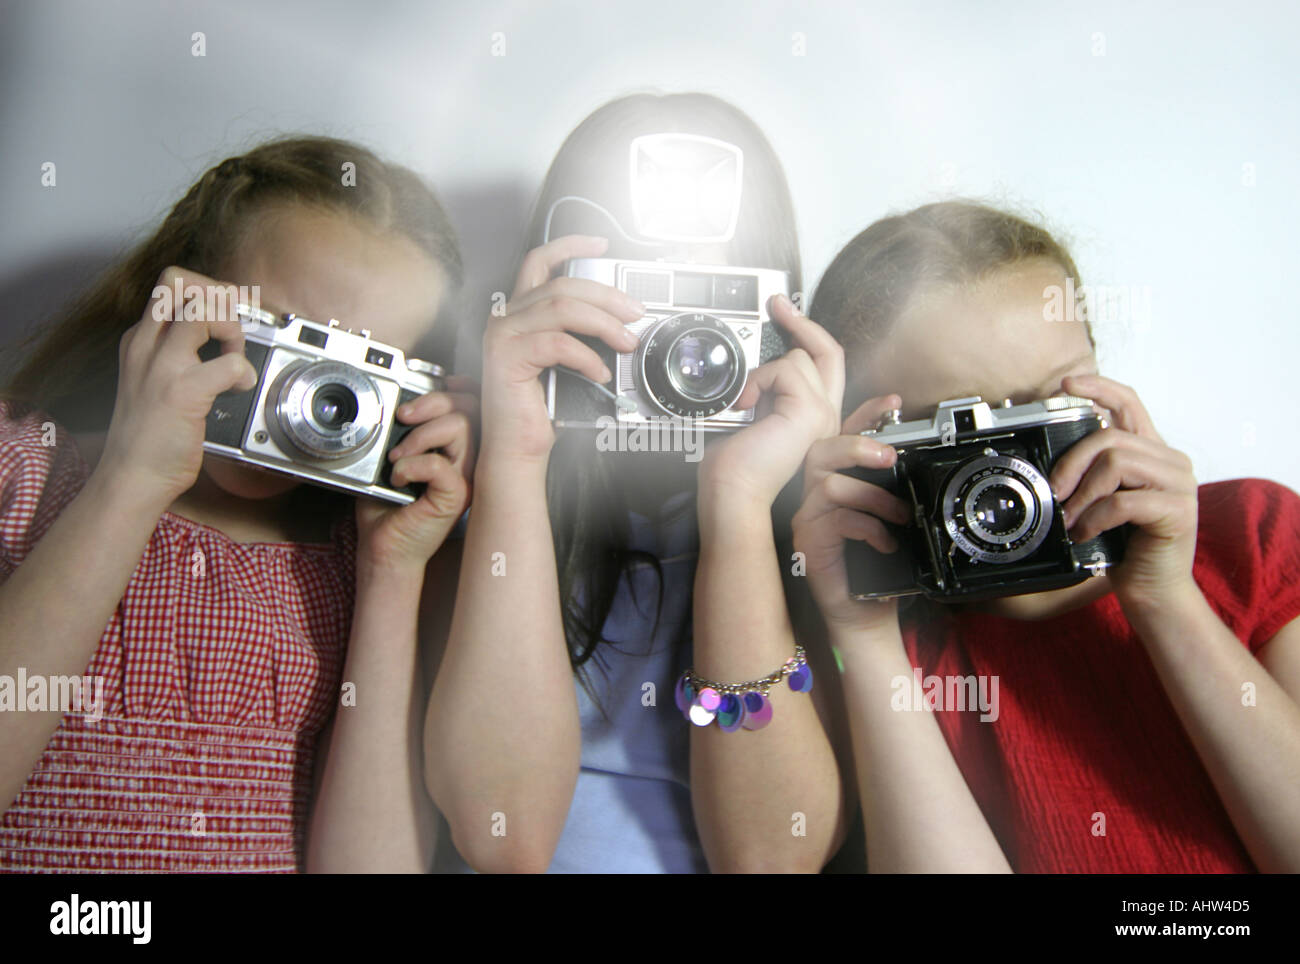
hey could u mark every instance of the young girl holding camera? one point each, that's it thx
(1148, 717)
(214, 602)
(583, 563)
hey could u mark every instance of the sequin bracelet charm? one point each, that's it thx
(734, 706)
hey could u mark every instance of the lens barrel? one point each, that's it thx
(692, 365)
(328, 409)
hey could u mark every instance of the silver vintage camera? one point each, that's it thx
(323, 408)
(705, 329)
(987, 523)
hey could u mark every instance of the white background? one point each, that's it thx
(1127, 126)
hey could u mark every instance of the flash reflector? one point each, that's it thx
(685, 187)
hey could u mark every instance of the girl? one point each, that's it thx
(580, 563)
(211, 602)
(1148, 717)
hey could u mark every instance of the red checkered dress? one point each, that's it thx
(220, 666)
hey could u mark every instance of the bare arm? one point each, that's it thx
(54, 607)
(372, 812)
(1127, 474)
(502, 737)
(770, 799)
(87, 555)
(919, 813)
(502, 733)
(1251, 751)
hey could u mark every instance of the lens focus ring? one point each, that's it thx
(997, 508)
(692, 365)
(329, 410)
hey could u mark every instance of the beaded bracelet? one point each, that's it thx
(736, 705)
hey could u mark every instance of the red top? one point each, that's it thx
(1084, 725)
(219, 667)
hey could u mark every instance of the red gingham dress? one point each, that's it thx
(219, 670)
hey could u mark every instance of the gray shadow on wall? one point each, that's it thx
(36, 295)
(490, 219)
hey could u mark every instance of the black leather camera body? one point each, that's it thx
(986, 522)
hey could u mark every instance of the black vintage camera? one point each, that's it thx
(324, 405)
(986, 522)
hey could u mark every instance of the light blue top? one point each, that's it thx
(631, 810)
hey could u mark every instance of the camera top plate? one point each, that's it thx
(965, 417)
(332, 342)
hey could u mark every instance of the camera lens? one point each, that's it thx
(328, 410)
(701, 365)
(692, 365)
(334, 406)
(999, 510)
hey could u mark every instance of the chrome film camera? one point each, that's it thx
(986, 522)
(706, 327)
(323, 408)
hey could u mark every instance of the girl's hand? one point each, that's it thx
(440, 452)
(536, 333)
(1126, 473)
(838, 507)
(804, 389)
(164, 392)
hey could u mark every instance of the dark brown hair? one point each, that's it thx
(588, 510)
(70, 367)
(872, 280)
